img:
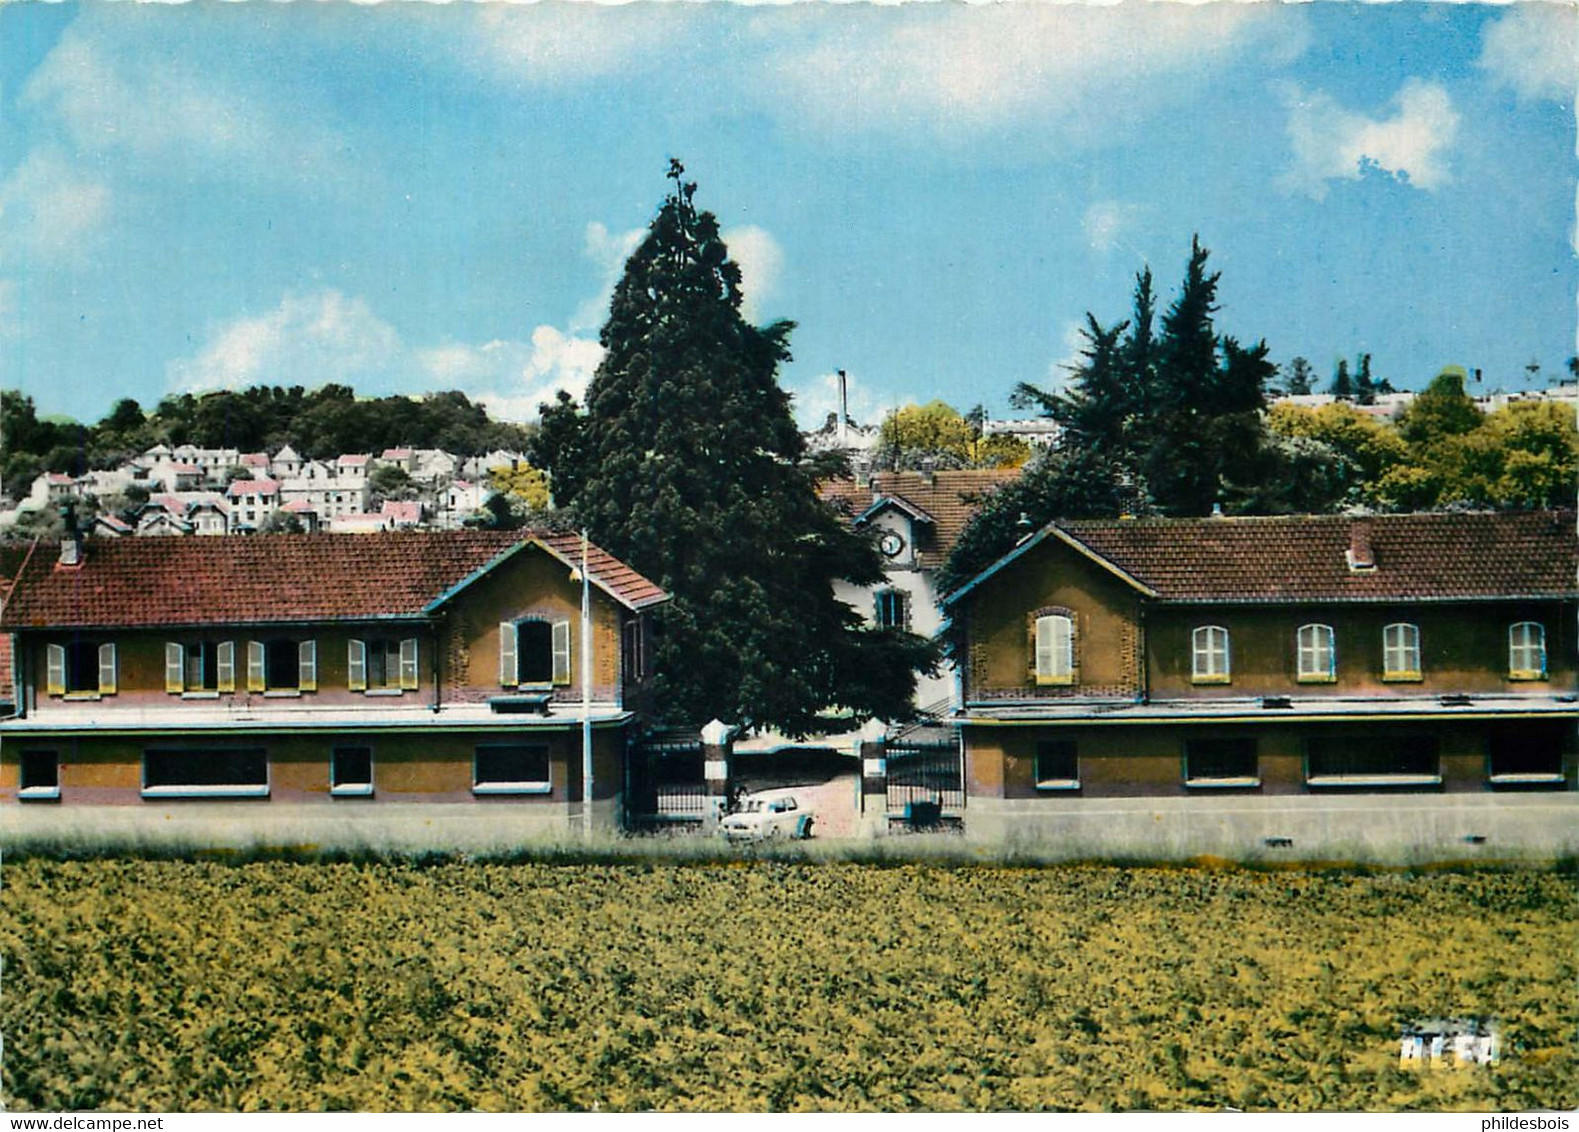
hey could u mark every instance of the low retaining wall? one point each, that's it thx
(1368, 827)
(350, 827)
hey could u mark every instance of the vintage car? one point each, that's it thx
(761, 817)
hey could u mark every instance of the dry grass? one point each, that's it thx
(384, 984)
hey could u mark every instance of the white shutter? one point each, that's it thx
(408, 663)
(1044, 646)
(561, 652)
(307, 666)
(106, 670)
(356, 665)
(225, 663)
(255, 681)
(1065, 629)
(55, 666)
(174, 670)
(507, 664)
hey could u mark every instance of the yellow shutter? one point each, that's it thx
(561, 642)
(225, 663)
(408, 663)
(356, 665)
(507, 662)
(307, 666)
(174, 667)
(106, 670)
(255, 666)
(55, 669)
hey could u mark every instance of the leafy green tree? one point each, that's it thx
(916, 435)
(692, 472)
(1440, 410)
(1367, 447)
(390, 481)
(1300, 378)
(558, 448)
(281, 523)
(1068, 482)
(522, 483)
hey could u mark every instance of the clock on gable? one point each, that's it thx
(891, 544)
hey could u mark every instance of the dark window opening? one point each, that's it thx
(1220, 758)
(1527, 751)
(1369, 756)
(202, 667)
(82, 666)
(383, 664)
(282, 665)
(892, 609)
(512, 765)
(534, 643)
(213, 767)
(1057, 761)
(635, 661)
(351, 767)
(40, 770)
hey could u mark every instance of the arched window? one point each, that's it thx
(1317, 654)
(1527, 651)
(1401, 651)
(1209, 663)
(1055, 649)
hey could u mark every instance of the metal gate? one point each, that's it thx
(668, 783)
(926, 771)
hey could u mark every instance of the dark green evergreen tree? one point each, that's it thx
(1342, 384)
(1364, 387)
(689, 466)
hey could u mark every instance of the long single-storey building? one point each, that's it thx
(1366, 660)
(455, 667)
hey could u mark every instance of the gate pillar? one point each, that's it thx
(718, 745)
(873, 750)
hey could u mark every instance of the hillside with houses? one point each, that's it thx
(191, 490)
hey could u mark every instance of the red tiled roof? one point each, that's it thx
(253, 487)
(282, 578)
(1452, 556)
(948, 498)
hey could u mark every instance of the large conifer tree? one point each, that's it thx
(690, 467)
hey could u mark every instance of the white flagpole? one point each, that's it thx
(586, 691)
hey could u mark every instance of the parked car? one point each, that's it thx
(761, 817)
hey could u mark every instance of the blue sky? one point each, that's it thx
(407, 197)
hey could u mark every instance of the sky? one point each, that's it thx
(406, 197)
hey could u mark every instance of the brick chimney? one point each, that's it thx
(1360, 557)
(71, 550)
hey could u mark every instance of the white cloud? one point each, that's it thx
(49, 209)
(760, 260)
(1331, 143)
(955, 70)
(1107, 224)
(555, 44)
(817, 399)
(512, 378)
(1074, 342)
(109, 95)
(307, 339)
(327, 336)
(609, 251)
(1534, 51)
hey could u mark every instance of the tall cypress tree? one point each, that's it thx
(690, 467)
